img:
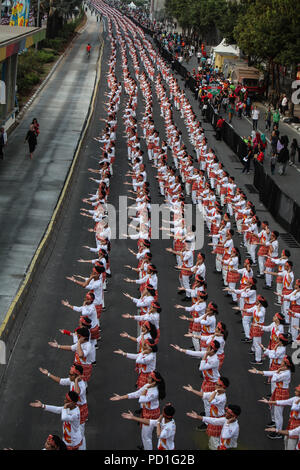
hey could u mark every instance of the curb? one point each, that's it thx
(12, 320)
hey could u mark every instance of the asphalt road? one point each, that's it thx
(22, 427)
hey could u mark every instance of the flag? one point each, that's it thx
(20, 13)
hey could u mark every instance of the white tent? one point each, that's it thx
(224, 49)
(132, 5)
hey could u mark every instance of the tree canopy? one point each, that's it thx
(264, 29)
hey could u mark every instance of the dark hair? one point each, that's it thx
(59, 442)
(225, 381)
(235, 409)
(160, 385)
(79, 368)
(99, 269)
(169, 410)
(74, 396)
(152, 344)
(292, 366)
(83, 332)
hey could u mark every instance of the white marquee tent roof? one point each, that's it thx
(224, 49)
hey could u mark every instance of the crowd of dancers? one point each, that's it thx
(230, 219)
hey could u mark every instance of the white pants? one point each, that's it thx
(213, 443)
(261, 264)
(83, 444)
(196, 343)
(268, 277)
(290, 444)
(185, 282)
(279, 287)
(246, 321)
(194, 197)
(252, 249)
(219, 263)
(207, 406)
(147, 432)
(277, 416)
(293, 328)
(233, 294)
(285, 310)
(256, 348)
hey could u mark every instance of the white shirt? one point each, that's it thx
(71, 423)
(167, 434)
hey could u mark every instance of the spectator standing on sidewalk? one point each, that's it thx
(255, 117)
(248, 106)
(284, 105)
(293, 150)
(268, 118)
(283, 158)
(273, 161)
(276, 118)
(3, 141)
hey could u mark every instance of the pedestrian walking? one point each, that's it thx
(255, 117)
(32, 140)
(293, 150)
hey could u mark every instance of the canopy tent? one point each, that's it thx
(132, 5)
(226, 49)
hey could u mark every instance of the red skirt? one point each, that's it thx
(219, 250)
(274, 365)
(295, 309)
(292, 424)
(221, 359)
(269, 263)
(203, 343)
(256, 331)
(248, 306)
(280, 394)
(232, 276)
(263, 250)
(208, 386)
(95, 332)
(150, 414)
(84, 412)
(142, 379)
(214, 431)
(195, 327)
(178, 245)
(87, 371)
(74, 447)
(99, 310)
(214, 229)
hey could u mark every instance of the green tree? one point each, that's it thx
(58, 11)
(269, 32)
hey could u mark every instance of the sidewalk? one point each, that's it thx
(29, 189)
(289, 183)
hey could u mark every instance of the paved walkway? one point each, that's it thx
(29, 189)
